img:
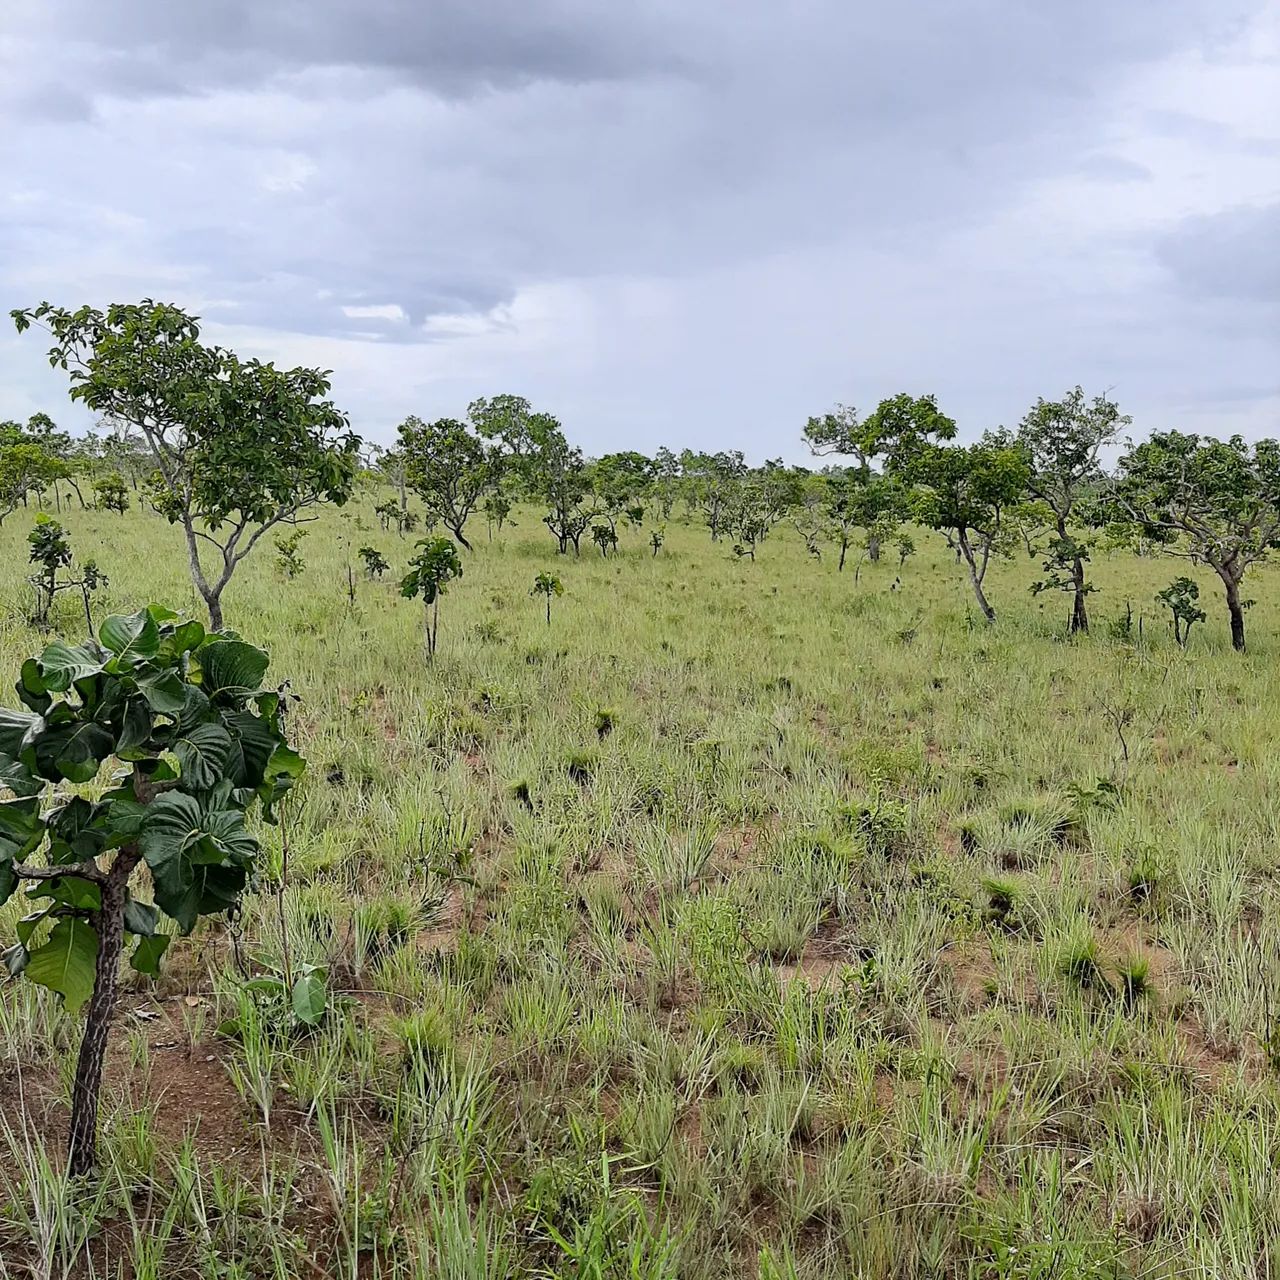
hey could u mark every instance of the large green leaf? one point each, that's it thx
(232, 667)
(74, 750)
(135, 729)
(140, 918)
(146, 955)
(62, 664)
(253, 745)
(309, 998)
(164, 691)
(15, 729)
(8, 879)
(184, 892)
(32, 688)
(66, 962)
(21, 829)
(17, 777)
(133, 638)
(202, 752)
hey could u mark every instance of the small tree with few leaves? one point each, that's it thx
(430, 572)
(547, 585)
(51, 553)
(1181, 598)
(289, 554)
(656, 538)
(198, 743)
(375, 564)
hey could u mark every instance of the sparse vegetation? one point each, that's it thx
(737, 921)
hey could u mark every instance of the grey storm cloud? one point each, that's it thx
(626, 205)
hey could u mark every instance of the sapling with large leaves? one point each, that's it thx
(547, 585)
(195, 743)
(238, 446)
(430, 572)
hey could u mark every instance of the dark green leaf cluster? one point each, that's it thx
(431, 570)
(202, 742)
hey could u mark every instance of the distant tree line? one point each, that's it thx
(228, 449)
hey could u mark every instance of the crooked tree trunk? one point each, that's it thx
(1236, 609)
(1079, 614)
(976, 575)
(456, 530)
(844, 551)
(108, 922)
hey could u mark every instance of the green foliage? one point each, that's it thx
(239, 444)
(605, 537)
(51, 553)
(24, 468)
(1216, 501)
(430, 572)
(1181, 598)
(451, 467)
(375, 564)
(547, 584)
(201, 743)
(289, 554)
(112, 493)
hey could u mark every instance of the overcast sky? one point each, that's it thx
(666, 221)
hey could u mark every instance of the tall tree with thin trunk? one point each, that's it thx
(239, 446)
(1216, 502)
(1063, 440)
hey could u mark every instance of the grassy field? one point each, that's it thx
(745, 921)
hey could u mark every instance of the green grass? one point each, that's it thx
(741, 922)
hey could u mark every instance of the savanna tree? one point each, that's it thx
(450, 466)
(24, 468)
(963, 492)
(198, 743)
(547, 585)
(1212, 501)
(605, 537)
(111, 493)
(620, 482)
(712, 482)
(666, 480)
(430, 572)
(497, 511)
(561, 479)
(238, 446)
(1063, 440)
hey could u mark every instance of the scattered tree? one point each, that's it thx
(548, 585)
(450, 466)
(111, 493)
(1213, 501)
(375, 565)
(1180, 597)
(51, 552)
(1063, 440)
(239, 446)
(289, 554)
(430, 572)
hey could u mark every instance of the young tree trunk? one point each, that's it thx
(82, 1148)
(873, 549)
(975, 578)
(548, 610)
(844, 551)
